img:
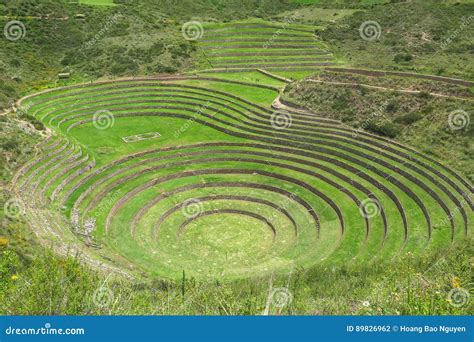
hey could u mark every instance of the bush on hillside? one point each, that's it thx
(35, 122)
(386, 129)
(408, 118)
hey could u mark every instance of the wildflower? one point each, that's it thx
(14, 277)
(366, 303)
(456, 282)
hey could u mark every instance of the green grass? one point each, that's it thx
(354, 3)
(252, 77)
(410, 287)
(97, 2)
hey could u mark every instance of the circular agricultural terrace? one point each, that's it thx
(200, 174)
(180, 175)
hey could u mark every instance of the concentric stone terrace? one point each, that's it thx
(220, 185)
(246, 46)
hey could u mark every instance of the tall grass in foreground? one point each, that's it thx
(52, 285)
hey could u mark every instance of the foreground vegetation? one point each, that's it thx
(48, 285)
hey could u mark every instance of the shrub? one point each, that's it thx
(180, 50)
(427, 109)
(402, 57)
(387, 129)
(35, 122)
(341, 101)
(10, 145)
(392, 107)
(140, 54)
(424, 95)
(164, 68)
(408, 118)
(123, 64)
(156, 49)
